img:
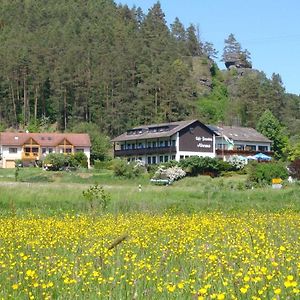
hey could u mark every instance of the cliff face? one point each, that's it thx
(201, 74)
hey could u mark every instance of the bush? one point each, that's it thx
(97, 196)
(263, 173)
(172, 173)
(56, 161)
(129, 170)
(294, 169)
(80, 160)
(237, 162)
(196, 165)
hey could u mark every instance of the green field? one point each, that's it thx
(44, 192)
(200, 238)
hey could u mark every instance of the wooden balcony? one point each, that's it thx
(145, 151)
(30, 155)
(224, 152)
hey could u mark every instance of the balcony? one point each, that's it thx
(223, 152)
(30, 155)
(145, 151)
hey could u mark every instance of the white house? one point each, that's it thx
(159, 143)
(234, 140)
(31, 147)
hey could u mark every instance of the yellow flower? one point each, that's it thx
(221, 296)
(277, 291)
(15, 286)
(171, 288)
(180, 285)
(243, 290)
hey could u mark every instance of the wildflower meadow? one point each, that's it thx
(254, 255)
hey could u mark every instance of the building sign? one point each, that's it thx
(196, 138)
(201, 139)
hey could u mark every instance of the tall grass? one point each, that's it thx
(188, 196)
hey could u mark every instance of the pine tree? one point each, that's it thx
(269, 126)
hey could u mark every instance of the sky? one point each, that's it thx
(269, 29)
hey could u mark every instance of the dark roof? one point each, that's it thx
(245, 134)
(44, 139)
(154, 131)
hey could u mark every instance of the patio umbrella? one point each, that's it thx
(262, 156)
(251, 157)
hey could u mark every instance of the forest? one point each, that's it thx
(69, 64)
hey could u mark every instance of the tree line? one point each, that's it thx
(64, 63)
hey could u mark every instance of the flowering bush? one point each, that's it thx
(237, 162)
(172, 173)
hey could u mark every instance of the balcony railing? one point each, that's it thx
(145, 151)
(30, 155)
(242, 152)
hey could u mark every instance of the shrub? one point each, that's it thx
(80, 160)
(196, 165)
(263, 173)
(237, 162)
(172, 173)
(55, 161)
(96, 196)
(294, 168)
(125, 169)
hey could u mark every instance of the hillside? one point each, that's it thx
(65, 62)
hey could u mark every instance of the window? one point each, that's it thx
(50, 150)
(154, 159)
(79, 150)
(153, 144)
(166, 144)
(44, 150)
(68, 150)
(122, 147)
(263, 148)
(149, 144)
(173, 143)
(222, 146)
(251, 147)
(181, 157)
(149, 160)
(239, 147)
(173, 157)
(161, 143)
(166, 158)
(12, 150)
(161, 159)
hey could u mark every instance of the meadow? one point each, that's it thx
(200, 238)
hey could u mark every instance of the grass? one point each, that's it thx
(61, 192)
(200, 238)
(203, 256)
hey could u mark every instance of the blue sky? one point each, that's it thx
(269, 29)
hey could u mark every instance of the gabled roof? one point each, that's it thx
(154, 131)
(243, 134)
(44, 139)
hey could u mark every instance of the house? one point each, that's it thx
(245, 141)
(31, 147)
(159, 143)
